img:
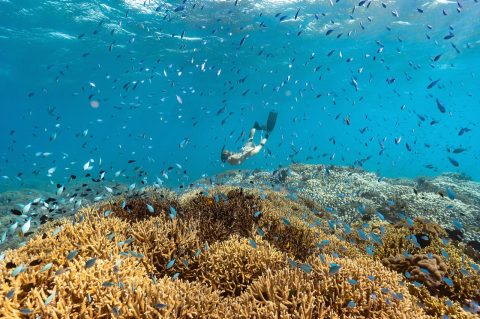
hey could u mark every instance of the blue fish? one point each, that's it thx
(72, 254)
(369, 249)
(352, 281)
(457, 224)
(260, 232)
(362, 234)
(285, 221)
(257, 214)
(89, 263)
(170, 264)
(444, 254)
(334, 268)
(252, 243)
(361, 209)
(451, 194)
(292, 262)
(306, 268)
(150, 209)
(173, 212)
(409, 222)
(351, 304)
(448, 281)
(379, 215)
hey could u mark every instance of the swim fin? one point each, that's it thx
(258, 126)
(272, 119)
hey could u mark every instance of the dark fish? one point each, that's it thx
(179, 8)
(459, 150)
(449, 36)
(328, 32)
(440, 107)
(463, 130)
(243, 40)
(89, 263)
(432, 84)
(437, 57)
(454, 162)
(296, 14)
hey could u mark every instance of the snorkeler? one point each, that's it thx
(250, 149)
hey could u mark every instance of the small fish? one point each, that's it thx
(260, 232)
(26, 226)
(457, 224)
(448, 281)
(46, 267)
(135, 254)
(450, 193)
(432, 84)
(150, 208)
(179, 100)
(26, 208)
(252, 243)
(89, 263)
(440, 106)
(306, 268)
(352, 281)
(173, 212)
(351, 304)
(19, 269)
(285, 221)
(334, 268)
(50, 298)
(453, 162)
(179, 8)
(72, 254)
(170, 264)
(56, 231)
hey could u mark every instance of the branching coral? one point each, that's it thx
(232, 265)
(228, 254)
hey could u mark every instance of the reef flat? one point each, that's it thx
(301, 242)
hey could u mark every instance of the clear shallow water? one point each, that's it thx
(230, 65)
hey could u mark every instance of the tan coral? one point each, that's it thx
(232, 265)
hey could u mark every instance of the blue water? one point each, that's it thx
(133, 58)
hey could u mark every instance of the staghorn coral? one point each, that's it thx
(232, 265)
(293, 293)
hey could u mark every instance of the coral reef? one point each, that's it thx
(228, 252)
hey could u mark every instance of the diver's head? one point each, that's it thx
(225, 155)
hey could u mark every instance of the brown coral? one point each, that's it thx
(422, 268)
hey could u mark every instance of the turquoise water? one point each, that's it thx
(168, 84)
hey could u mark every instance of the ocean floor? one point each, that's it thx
(305, 241)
